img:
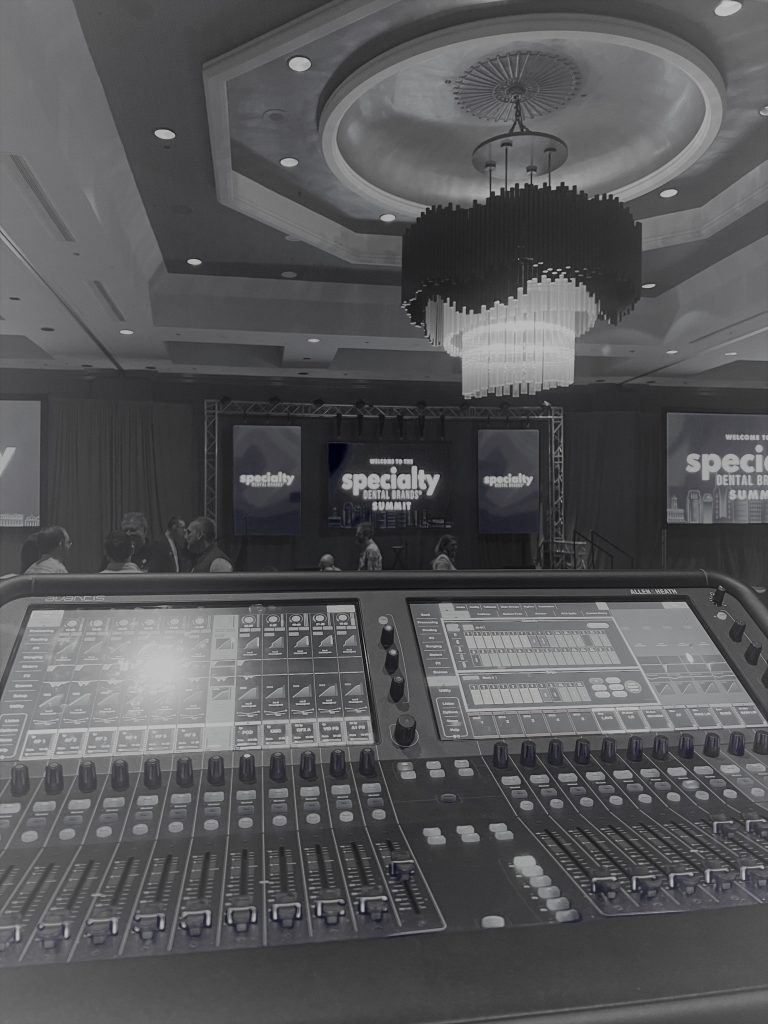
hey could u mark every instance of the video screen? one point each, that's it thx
(392, 486)
(570, 668)
(19, 463)
(266, 480)
(508, 481)
(717, 468)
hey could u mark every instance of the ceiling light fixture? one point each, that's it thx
(299, 63)
(165, 134)
(672, 351)
(730, 353)
(193, 262)
(387, 217)
(763, 111)
(289, 161)
(126, 331)
(727, 7)
(668, 193)
(649, 284)
(313, 341)
(509, 284)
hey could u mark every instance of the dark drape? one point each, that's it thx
(107, 457)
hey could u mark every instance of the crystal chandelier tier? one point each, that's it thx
(509, 284)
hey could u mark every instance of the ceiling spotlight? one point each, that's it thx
(313, 341)
(288, 273)
(730, 353)
(289, 161)
(387, 217)
(649, 284)
(126, 331)
(194, 262)
(299, 63)
(672, 351)
(763, 111)
(165, 134)
(727, 7)
(667, 193)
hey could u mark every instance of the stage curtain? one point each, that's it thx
(106, 458)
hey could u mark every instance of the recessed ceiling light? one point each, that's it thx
(126, 331)
(313, 341)
(730, 353)
(672, 351)
(194, 262)
(727, 7)
(387, 217)
(299, 63)
(165, 134)
(763, 111)
(289, 161)
(288, 273)
(667, 193)
(649, 284)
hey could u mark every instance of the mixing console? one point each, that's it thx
(495, 769)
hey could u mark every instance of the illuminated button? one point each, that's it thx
(179, 799)
(523, 860)
(466, 773)
(595, 776)
(556, 804)
(370, 788)
(497, 826)
(405, 766)
(342, 790)
(691, 785)
(567, 778)
(279, 820)
(245, 822)
(540, 882)
(309, 792)
(701, 795)
(558, 903)
(29, 836)
(245, 795)
(436, 773)
(278, 794)
(567, 916)
(586, 801)
(549, 892)
(704, 769)
(408, 776)
(645, 798)
(623, 775)
(210, 824)
(616, 801)
(104, 831)
(313, 819)
(140, 830)
(539, 780)
(526, 805)
(504, 837)
(147, 800)
(436, 841)
(756, 768)
(433, 764)
(510, 780)
(43, 806)
(757, 792)
(470, 837)
(730, 794)
(464, 830)
(213, 798)
(379, 814)
(674, 798)
(10, 808)
(461, 762)
(67, 833)
(431, 832)
(175, 826)
(677, 772)
(730, 769)
(492, 921)
(346, 816)
(649, 773)
(531, 870)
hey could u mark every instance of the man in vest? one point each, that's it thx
(201, 543)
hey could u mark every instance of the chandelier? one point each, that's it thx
(509, 284)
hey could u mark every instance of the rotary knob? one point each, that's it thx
(608, 750)
(153, 775)
(760, 742)
(582, 751)
(635, 749)
(246, 769)
(736, 744)
(736, 632)
(277, 767)
(87, 779)
(528, 754)
(307, 766)
(367, 763)
(119, 775)
(397, 687)
(53, 780)
(555, 752)
(405, 731)
(660, 748)
(500, 755)
(19, 780)
(387, 635)
(719, 596)
(711, 744)
(391, 660)
(338, 764)
(184, 772)
(686, 746)
(216, 772)
(753, 652)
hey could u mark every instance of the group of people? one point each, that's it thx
(186, 548)
(182, 548)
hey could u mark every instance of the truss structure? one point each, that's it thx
(552, 544)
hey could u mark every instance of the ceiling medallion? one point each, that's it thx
(509, 284)
(542, 82)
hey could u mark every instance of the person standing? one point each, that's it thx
(169, 553)
(118, 548)
(136, 526)
(445, 554)
(370, 557)
(201, 541)
(53, 543)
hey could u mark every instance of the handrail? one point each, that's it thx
(606, 540)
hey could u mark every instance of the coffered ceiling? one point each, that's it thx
(98, 217)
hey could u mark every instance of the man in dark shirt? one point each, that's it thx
(135, 525)
(169, 552)
(201, 541)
